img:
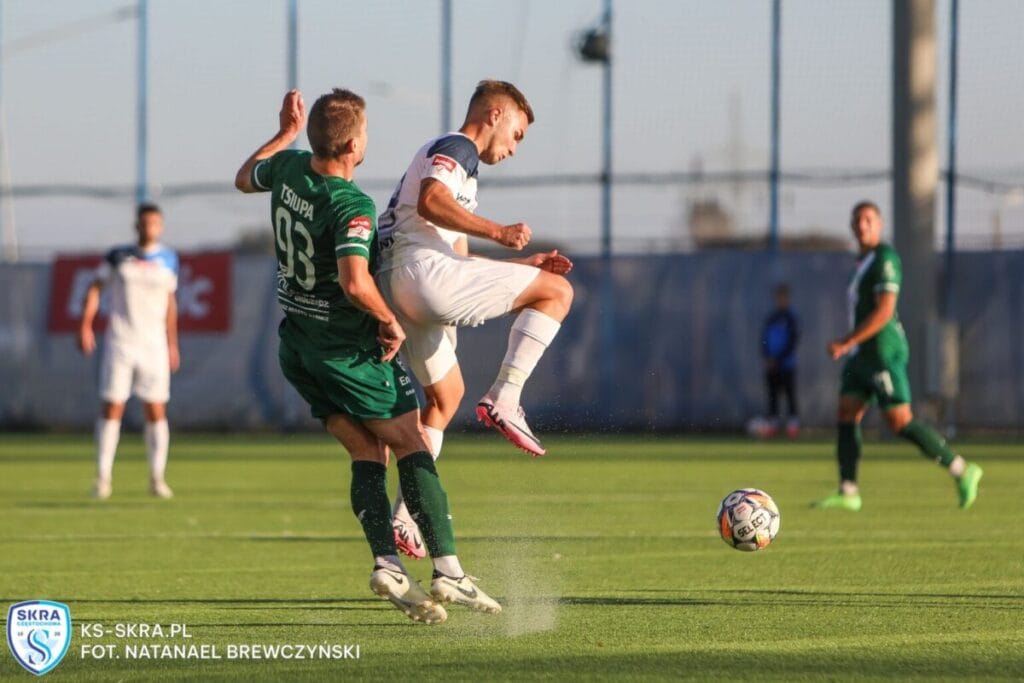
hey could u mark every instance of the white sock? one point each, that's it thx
(158, 437)
(389, 562)
(848, 488)
(108, 433)
(449, 566)
(531, 334)
(435, 437)
(957, 467)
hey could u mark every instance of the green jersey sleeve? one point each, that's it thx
(355, 229)
(888, 272)
(264, 171)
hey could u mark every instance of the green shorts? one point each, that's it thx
(873, 381)
(354, 382)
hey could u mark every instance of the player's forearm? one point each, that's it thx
(90, 306)
(172, 323)
(442, 210)
(243, 178)
(871, 326)
(365, 296)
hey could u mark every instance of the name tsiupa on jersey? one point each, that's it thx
(137, 283)
(317, 220)
(407, 237)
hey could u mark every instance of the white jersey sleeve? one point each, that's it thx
(407, 237)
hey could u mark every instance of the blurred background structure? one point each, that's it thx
(688, 153)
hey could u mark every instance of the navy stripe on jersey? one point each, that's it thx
(460, 148)
(118, 255)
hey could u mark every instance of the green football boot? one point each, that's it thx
(841, 501)
(967, 485)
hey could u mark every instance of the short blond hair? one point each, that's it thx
(488, 91)
(333, 121)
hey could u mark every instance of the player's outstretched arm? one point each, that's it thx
(551, 261)
(173, 354)
(291, 119)
(90, 307)
(437, 205)
(357, 283)
(885, 308)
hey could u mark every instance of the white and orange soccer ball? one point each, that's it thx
(748, 519)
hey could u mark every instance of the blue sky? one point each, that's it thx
(691, 89)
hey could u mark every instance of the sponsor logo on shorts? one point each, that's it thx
(38, 633)
(447, 163)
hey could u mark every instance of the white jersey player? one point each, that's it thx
(140, 348)
(435, 286)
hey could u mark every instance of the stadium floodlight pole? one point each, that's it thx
(446, 65)
(608, 324)
(293, 48)
(606, 151)
(773, 173)
(951, 135)
(142, 28)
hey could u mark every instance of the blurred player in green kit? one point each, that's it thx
(876, 368)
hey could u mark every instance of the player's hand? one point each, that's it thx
(390, 335)
(174, 355)
(86, 340)
(516, 235)
(293, 114)
(551, 261)
(838, 348)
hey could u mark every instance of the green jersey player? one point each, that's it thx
(876, 367)
(338, 341)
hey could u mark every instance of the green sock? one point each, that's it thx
(371, 507)
(929, 441)
(848, 450)
(427, 501)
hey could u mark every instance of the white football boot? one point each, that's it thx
(462, 591)
(405, 594)
(160, 489)
(102, 489)
(510, 423)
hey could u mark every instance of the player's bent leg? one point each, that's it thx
(549, 294)
(442, 400)
(932, 445)
(370, 505)
(543, 304)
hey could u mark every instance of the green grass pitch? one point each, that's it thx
(604, 553)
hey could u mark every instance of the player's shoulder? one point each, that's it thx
(165, 256)
(121, 253)
(456, 147)
(287, 159)
(350, 201)
(886, 252)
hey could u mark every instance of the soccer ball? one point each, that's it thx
(748, 519)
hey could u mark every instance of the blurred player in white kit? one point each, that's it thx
(140, 350)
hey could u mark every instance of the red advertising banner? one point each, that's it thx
(204, 292)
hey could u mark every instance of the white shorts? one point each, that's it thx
(436, 295)
(144, 372)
